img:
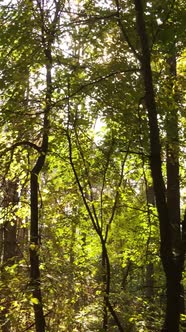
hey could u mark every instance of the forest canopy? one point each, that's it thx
(92, 177)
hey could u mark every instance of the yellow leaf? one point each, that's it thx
(34, 300)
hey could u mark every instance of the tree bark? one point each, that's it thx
(172, 264)
(173, 190)
(172, 158)
(9, 251)
(47, 38)
(34, 253)
(34, 187)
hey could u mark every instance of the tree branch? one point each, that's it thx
(23, 143)
(126, 38)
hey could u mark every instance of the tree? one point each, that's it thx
(172, 251)
(91, 102)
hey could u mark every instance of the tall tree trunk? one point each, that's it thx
(173, 184)
(48, 34)
(34, 187)
(172, 158)
(34, 254)
(172, 264)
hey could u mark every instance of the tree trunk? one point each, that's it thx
(106, 284)
(172, 159)
(34, 253)
(174, 292)
(173, 194)
(172, 263)
(106, 278)
(9, 251)
(34, 187)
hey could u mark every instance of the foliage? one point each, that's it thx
(98, 223)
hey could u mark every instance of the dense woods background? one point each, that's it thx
(92, 177)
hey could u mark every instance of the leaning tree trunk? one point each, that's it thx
(172, 263)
